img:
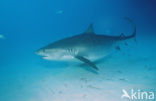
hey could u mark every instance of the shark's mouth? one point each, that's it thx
(47, 57)
(52, 57)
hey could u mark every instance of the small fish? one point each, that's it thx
(117, 48)
(59, 12)
(2, 36)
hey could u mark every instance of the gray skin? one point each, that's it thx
(86, 47)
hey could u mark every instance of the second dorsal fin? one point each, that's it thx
(90, 30)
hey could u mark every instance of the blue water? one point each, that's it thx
(28, 25)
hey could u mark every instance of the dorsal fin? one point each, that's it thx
(90, 30)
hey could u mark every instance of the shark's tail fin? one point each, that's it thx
(133, 24)
(123, 37)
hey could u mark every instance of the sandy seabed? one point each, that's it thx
(127, 69)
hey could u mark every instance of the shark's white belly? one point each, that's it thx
(90, 53)
(95, 54)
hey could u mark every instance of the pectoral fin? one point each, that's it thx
(88, 62)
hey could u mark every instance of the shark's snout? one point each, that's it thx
(40, 52)
(50, 54)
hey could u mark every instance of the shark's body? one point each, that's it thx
(86, 47)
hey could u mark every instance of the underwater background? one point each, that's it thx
(27, 25)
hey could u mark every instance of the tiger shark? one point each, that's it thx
(86, 47)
